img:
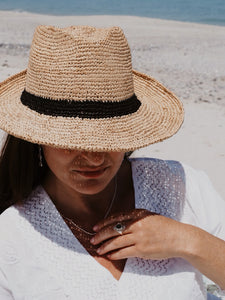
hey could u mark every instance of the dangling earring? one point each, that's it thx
(40, 156)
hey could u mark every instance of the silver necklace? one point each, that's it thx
(105, 216)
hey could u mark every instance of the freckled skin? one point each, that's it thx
(66, 164)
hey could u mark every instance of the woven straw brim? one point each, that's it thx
(159, 117)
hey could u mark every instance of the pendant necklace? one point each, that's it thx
(71, 222)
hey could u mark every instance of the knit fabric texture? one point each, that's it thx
(41, 258)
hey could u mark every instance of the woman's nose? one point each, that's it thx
(94, 158)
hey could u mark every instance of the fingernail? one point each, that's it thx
(98, 250)
(92, 240)
(95, 228)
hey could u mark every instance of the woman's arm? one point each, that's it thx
(152, 236)
(206, 253)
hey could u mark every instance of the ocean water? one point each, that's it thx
(200, 11)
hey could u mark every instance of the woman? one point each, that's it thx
(80, 218)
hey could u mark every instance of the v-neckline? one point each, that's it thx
(78, 245)
(92, 256)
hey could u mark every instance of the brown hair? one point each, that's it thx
(20, 172)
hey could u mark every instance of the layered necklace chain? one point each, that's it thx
(73, 224)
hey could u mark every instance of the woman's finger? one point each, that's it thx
(118, 217)
(116, 243)
(111, 231)
(123, 253)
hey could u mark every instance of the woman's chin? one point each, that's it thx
(89, 184)
(89, 187)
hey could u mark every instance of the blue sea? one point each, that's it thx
(200, 11)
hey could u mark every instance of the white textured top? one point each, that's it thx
(41, 259)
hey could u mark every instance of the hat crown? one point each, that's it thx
(80, 63)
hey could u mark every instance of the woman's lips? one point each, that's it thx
(90, 173)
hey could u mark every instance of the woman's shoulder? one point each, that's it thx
(9, 216)
(149, 167)
(204, 201)
(9, 223)
(11, 237)
(13, 218)
(191, 175)
(147, 158)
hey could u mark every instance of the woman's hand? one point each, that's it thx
(146, 235)
(151, 236)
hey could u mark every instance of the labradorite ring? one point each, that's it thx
(119, 227)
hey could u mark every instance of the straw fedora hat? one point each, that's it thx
(80, 92)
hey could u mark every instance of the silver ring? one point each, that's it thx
(119, 227)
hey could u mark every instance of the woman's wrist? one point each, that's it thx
(205, 252)
(188, 244)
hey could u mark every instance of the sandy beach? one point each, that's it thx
(187, 58)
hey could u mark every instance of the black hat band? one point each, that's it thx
(82, 109)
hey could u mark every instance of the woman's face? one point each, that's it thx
(85, 172)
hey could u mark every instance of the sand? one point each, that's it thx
(188, 58)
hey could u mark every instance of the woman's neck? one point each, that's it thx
(87, 210)
(78, 206)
